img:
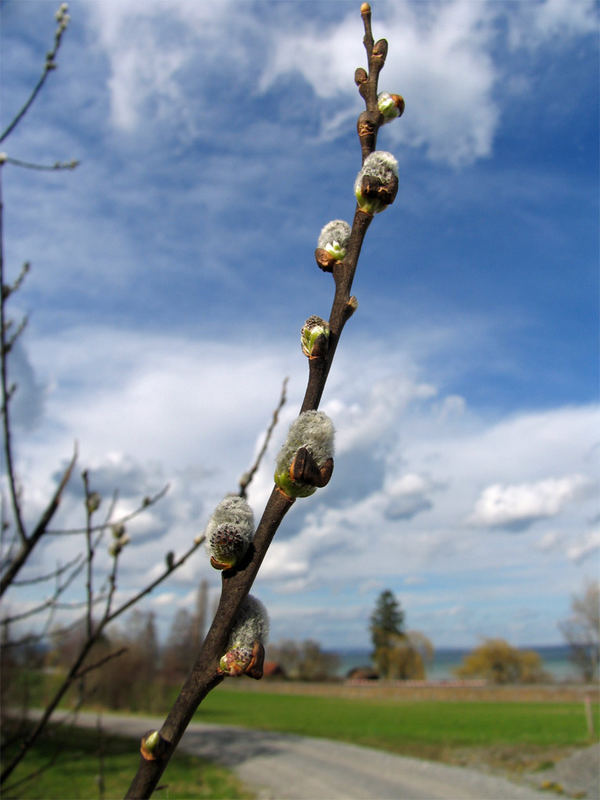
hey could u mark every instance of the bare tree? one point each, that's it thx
(582, 630)
(19, 539)
(305, 461)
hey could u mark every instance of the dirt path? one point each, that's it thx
(285, 767)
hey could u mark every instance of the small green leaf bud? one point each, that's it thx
(118, 530)
(314, 336)
(246, 647)
(114, 549)
(390, 106)
(170, 559)
(152, 745)
(229, 532)
(305, 461)
(376, 184)
(92, 502)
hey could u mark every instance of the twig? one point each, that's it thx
(43, 578)
(57, 166)
(49, 66)
(146, 503)
(101, 662)
(30, 541)
(77, 664)
(237, 583)
(248, 476)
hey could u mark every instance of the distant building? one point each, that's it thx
(272, 669)
(362, 674)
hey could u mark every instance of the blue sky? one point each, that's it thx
(172, 271)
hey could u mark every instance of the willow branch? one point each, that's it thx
(237, 583)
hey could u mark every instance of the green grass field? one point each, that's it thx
(75, 773)
(517, 735)
(404, 726)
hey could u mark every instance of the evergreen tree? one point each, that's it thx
(387, 624)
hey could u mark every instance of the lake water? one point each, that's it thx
(555, 660)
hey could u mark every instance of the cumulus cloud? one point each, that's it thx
(403, 486)
(407, 496)
(443, 59)
(585, 546)
(522, 504)
(552, 20)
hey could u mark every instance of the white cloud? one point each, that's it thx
(552, 20)
(585, 546)
(438, 60)
(522, 504)
(191, 413)
(441, 59)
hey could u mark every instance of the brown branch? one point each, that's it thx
(248, 476)
(6, 394)
(146, 503)
(30, 541)
(57, 166)
(237, 583)
(43, 578)
(76, 667)
(49, 66)
(176, 564)
(101, 662)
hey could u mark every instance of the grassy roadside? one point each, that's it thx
(76, 773)
(513, 736)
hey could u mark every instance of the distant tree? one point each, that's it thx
(498, 662)
(304, 661)
(582, 631)
(387, 628)
(177, 656)
(409, 655)
(130, 680)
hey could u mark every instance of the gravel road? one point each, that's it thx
(285, 767)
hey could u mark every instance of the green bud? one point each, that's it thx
(92, 502)
(313, 328)
(118, 530)
(390, 106)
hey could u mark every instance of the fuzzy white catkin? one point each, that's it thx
(337, 232)
(235, 513)
(381, 165)
(251, 624)
(313, 430)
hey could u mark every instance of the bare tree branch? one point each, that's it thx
(145, 504)
(29, 542)
(236, 583)
(248, 476)
(57, 166)
(50, 575)
(49, 65)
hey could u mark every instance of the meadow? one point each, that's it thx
(86, 765)
(507, 729)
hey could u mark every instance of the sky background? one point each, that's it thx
(173, 270)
